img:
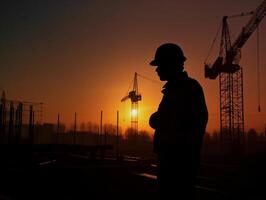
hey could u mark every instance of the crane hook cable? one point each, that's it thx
(258, 68)
(214, 40)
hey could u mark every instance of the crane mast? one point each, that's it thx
(227, 67)
(135, 97)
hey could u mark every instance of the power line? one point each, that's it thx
(214, 40)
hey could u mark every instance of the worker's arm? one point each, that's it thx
(165, 115)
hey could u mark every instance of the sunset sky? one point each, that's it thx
(81, 55)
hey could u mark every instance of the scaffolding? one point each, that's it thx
(17, 120)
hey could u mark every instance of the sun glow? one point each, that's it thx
(134, 112)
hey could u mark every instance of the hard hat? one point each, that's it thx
(168, 53)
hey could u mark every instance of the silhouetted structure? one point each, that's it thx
(227, 67)
(17, 119)
(179, 124)
(135, 97)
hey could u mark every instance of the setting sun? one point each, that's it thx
(134, 112)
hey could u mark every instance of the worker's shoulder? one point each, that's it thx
(194, 83)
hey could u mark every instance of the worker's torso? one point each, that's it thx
(175, 114)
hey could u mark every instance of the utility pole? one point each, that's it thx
(58, 126)
(75, 127)
(101, 128)
(31, 125)
(18, 122)
(117, 135)
(11, 124)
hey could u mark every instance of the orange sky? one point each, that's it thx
(81, 56)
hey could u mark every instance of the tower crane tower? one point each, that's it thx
(135, 97)
(227, 67)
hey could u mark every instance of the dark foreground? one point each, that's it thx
(76, 177)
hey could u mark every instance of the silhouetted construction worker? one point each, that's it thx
(179, 124)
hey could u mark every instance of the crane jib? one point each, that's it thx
(212, 71)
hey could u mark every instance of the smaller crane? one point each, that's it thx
(135, 97)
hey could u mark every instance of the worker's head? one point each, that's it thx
(169, 59)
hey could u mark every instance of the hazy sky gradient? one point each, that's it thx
(80, 56)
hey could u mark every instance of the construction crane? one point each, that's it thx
(227, 67)
(135, 97)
